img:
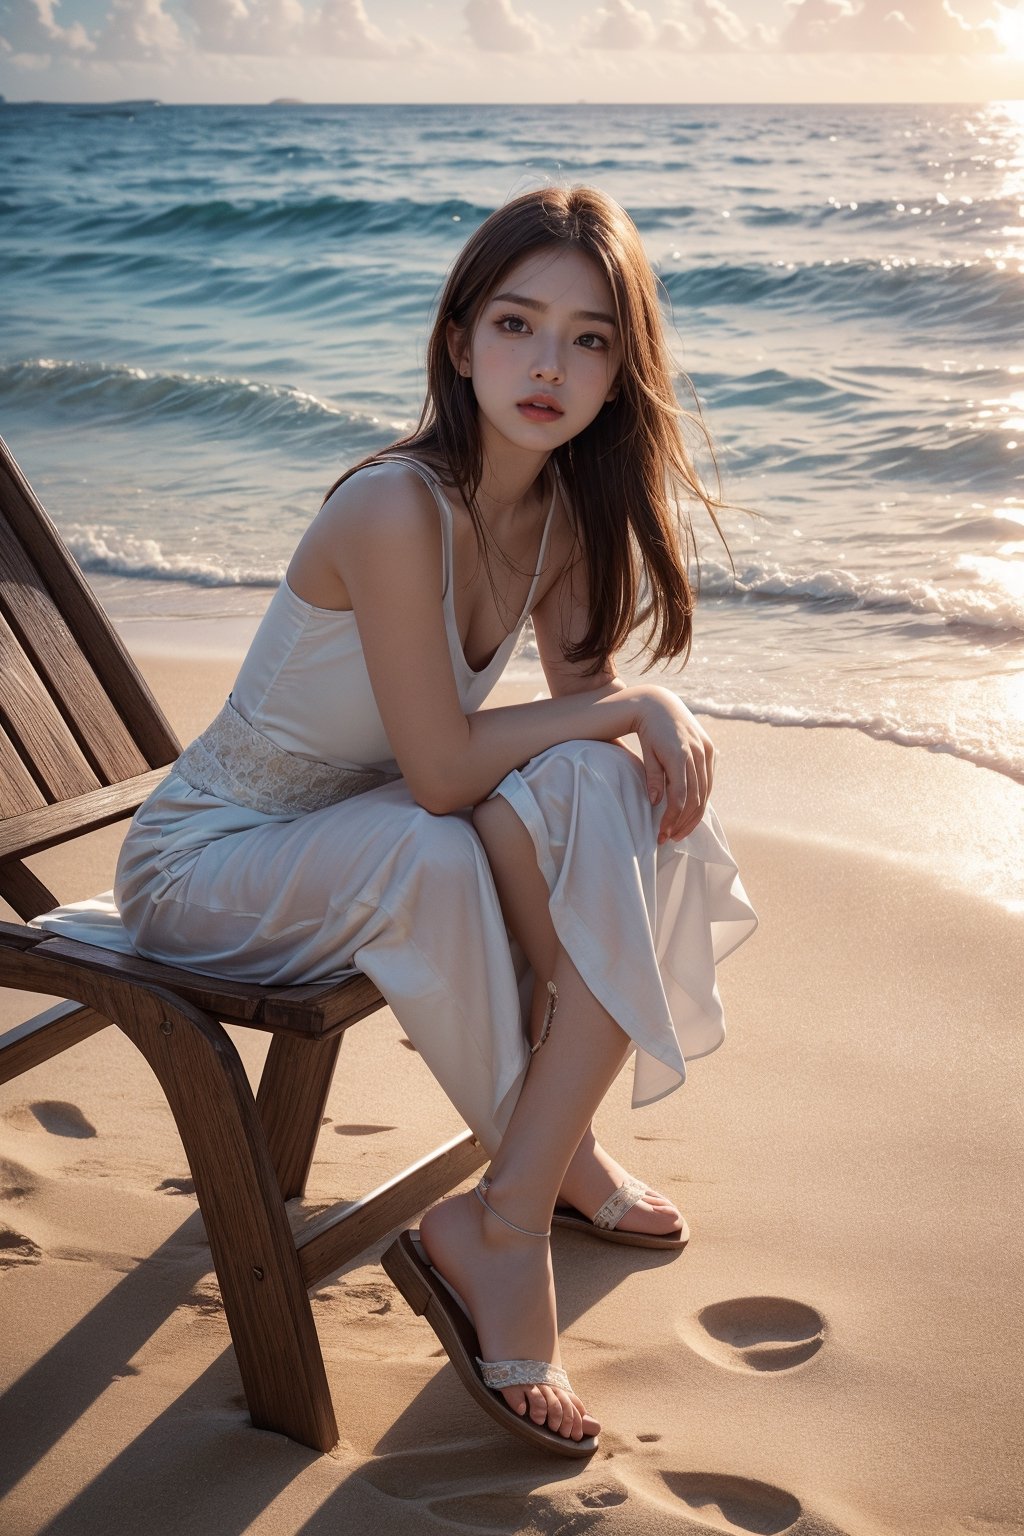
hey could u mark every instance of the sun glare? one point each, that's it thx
(1009, 28)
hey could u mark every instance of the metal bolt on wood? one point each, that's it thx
(166, 1026)
(257, 1271)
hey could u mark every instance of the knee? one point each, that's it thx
(600, 765)
(442, 846)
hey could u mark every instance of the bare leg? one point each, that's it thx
(504, 1277)
(593, 1174)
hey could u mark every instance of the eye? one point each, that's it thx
(592, 342)
(512, 325)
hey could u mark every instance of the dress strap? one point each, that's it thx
(444, 506)
(542, 551)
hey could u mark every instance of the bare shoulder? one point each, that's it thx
(382, 517)
(388, 499)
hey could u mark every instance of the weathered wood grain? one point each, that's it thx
(339, 1235)
(294, 1085)
(45, 739)
(18, 789)
(28, 522)
(29, 608)
(46, 1035)
(33, 830)
(24, 891)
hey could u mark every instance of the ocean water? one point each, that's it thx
(207, 312)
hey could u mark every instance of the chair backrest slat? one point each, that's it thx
(24, 522)
(18, 789)
(29, 609)
(23, 891)
(30, 716)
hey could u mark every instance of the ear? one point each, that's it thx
(455, 335)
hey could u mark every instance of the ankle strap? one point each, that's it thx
(480, 1192)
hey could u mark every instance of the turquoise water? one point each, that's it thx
(207, 312)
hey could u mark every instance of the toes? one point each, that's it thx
(558, 1411)
(588, 1425)
(562, 1415)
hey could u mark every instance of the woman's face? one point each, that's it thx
(544, 354)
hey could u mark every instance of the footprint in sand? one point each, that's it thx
(15, 1248)
(371, 1298)
(756, 1333)
(182, 1186)
(479, 1490)
(16, 1182)
(62, 1119)
(735, 1504)
(509, 1511)
(361, 1130)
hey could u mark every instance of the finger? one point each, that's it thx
(692, 812)
(690, 808)
(699, 783)
(676, 793)
(709, 757)
(655, 784)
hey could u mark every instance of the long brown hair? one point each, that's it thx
(627, 475)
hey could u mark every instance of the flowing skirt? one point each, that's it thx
(377, 884)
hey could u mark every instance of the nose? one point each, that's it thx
(548, 364)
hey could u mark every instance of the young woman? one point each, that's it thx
(353, 806)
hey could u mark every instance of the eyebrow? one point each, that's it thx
(579, 314)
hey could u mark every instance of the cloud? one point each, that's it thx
(881, 26)
(30, 27)
(676, 37)
(495, 27)
(139, 29)
(619, 25)
(277, 28)
(342, 28)
(262, 27)
(219, 23)
(723, 31)
(697, 26)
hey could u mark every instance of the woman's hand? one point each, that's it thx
(678, 759)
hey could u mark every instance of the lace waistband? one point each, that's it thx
(235, 762)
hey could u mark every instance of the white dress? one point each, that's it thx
(375, 883)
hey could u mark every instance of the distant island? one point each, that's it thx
(287, 101)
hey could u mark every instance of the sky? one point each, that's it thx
(513, 50)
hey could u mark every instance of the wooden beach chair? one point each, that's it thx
(82, 743)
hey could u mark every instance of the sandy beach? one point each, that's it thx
(838, 1350)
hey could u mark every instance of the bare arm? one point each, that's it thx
(560, 620)
(380, 535)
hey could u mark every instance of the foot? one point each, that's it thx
(594, 1174)
(506, 1283)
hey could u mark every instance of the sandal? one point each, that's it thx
(605, 1221)
(430, 1297)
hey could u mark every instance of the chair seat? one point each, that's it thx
(316, 1011)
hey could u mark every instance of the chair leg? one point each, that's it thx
(293, 1090)
(265, 1299)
